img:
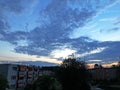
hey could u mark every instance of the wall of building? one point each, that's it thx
(12, 76)
(104, 73)
(19, 76)
(4, 69)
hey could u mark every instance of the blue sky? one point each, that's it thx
(48, 30)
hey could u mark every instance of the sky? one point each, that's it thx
(51, 30)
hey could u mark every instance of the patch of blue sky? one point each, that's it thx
(102, 22)
(18, 22)
(5, 48)
(29, 16)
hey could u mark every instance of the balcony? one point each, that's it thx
(40, 73)
(30, 68)
(21, 85)
(22, 76)
(22, 80)
(29, 81)
(22, 73)
(30, 72)
(30, 75)
(35, 69)
(22, 68)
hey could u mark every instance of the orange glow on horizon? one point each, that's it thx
(107, 65)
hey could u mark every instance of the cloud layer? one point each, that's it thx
(56, 21)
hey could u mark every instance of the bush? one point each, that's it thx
(45, 83)
(3, 82)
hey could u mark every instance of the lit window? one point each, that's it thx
(22, 68)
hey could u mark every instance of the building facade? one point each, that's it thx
(11, 74)
(104, 73)
(18, 76)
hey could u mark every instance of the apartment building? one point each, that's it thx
(104, 73)
(19, 76)
(11, 73)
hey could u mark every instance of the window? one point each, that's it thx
(22, 68)
(13, 77)
(12, 86)
(30, 69)
(14, 68)
(21, 85)
(30, 75)
(21, 77)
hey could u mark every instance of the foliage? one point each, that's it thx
(73, 75)
(3, 82)
(45, 83)
(28, 87)
(117, 67)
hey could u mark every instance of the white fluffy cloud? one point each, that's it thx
(98, 50)
(62, 53)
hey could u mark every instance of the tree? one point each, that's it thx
(73, 75)
(118, 71)
(3, 82)
(46, 83)
(118, 64)
(98, 66)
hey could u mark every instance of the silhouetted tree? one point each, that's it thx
(118, 70)
(118, 64)
(3, 82)
(117, 67)
(29, 87)
(73, 75)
